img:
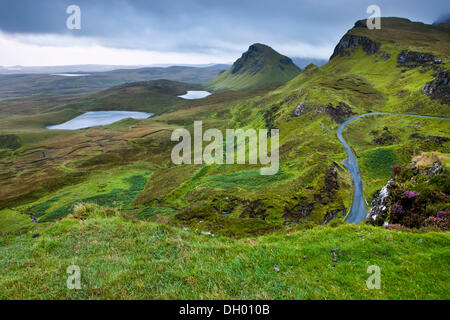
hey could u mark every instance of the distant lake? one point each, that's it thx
(99, 118)
(71, 74)
(195, 95)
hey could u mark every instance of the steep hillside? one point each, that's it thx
(403, 67)
(260, 65)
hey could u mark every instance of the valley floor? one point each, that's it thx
(121, 258)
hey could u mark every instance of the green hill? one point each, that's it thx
(260, 65)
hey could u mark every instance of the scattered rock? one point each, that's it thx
(299, 110)
(301, 107)
(439, 88)
(33, 218)
(413, 59)
(335, 255)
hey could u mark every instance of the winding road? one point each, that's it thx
(358, 211)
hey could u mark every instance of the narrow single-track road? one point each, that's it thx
(358, 211)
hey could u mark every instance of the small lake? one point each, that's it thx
(98, 118)
(71, 74)
(190, 95)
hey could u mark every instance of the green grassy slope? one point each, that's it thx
(121, 258)
(260, 65)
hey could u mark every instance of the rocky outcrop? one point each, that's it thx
(331, 180)
(438, 140)
(380, 204)
(301, 107)
(413, 59)
(253, 209)
(339, 113)
(298, 212)
(439, 88)
(299, 110)
(349, 43)
(383, 138)
(330, 215)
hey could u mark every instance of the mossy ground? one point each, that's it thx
(125, 259)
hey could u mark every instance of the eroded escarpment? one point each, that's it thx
(349, 43)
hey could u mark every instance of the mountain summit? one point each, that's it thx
(259, 65)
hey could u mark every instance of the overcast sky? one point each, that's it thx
(144, 32)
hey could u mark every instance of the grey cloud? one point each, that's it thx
(205, 25)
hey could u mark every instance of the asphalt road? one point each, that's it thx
(358, 211)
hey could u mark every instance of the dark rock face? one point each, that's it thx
(439, 88)
(360, 24)
(299, 211)
(332, 214)
(339, 113)
(331, 181)
(412, 59)
(350, 42)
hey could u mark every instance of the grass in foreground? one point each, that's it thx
(132, 259)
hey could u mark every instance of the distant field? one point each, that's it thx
(20, 85)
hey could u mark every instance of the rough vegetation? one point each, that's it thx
(417, 196)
